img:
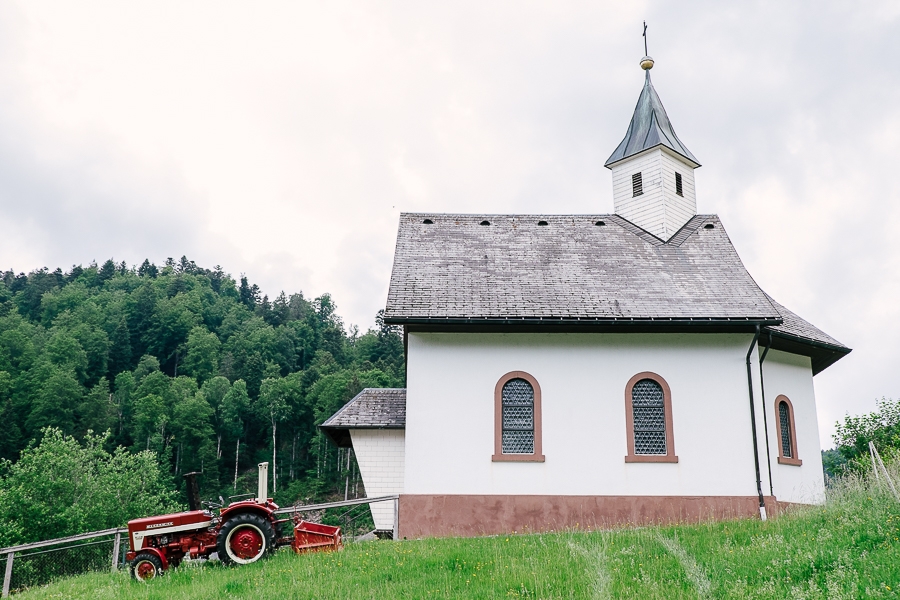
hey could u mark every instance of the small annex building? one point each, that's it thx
(589, 370)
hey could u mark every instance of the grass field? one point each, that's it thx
(850, 548)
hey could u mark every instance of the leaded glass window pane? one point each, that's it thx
(784, 417)
(648, 410)
(518, 417)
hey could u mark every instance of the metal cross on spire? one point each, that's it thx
(645, 39)
(646, 62)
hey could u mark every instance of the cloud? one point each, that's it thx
(283, 141)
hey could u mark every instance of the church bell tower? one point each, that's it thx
(652, 171)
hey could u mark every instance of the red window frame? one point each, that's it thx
(538, 455)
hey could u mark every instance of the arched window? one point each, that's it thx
(648, 419)
(787, 432)
(517, 419)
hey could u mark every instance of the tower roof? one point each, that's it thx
(650, 127)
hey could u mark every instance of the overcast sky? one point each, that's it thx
(282, 140)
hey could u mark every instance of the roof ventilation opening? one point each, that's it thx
(542, 223)
(637, 185)
(428, 222)
(678, 189)
(485, 223)
(600, 223)
(709, 226)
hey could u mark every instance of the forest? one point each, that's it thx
(188, 366)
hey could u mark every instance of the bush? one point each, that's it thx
(852, 437)
(62, 487)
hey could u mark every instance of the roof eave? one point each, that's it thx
(610, 163)
(323, 426)
(762, 321)
(673, 326)
(340, 434)
(821, 354)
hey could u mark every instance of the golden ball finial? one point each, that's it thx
(646, 63)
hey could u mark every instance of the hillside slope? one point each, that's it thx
(849, 548)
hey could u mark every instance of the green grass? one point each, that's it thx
(847, 549)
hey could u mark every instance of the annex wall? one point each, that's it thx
(380, 454)
(791, 375)
(450, 414)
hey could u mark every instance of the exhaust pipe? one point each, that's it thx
(193, 490)
(262, 490)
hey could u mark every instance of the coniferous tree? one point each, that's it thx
(106, 272)
(120, 348)
(151, 354)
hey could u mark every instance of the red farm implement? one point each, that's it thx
(315, 537)
(241, 533)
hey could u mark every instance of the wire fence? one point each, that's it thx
(354, 517)
(40, 563)
(31, 565)
(354, 521)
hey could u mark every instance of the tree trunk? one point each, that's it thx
(237, 453)
(273, 458)
(219, 447)
(293, 454)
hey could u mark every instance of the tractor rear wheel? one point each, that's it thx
(244, 539)
(146, 566)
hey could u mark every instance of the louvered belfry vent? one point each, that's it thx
(678, 188)
(784, 417)
(649, 412)
(637, 186)
(518, 417)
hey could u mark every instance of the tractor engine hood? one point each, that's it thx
(192, 520)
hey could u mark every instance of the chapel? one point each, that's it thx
(588, 371)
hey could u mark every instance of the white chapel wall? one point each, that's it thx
(380, 454)
(450, 413)
(791, 375)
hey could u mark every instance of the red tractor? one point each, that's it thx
(243, 532)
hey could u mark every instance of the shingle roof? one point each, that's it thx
(797, 327)
(451, 270)
(649, 127)
(372, 408)
(798, 336)
(569, 269)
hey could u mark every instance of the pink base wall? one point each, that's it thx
(473, 515)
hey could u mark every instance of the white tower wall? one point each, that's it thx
(659, 210)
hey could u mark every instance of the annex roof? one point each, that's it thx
(372, 408)
(649, 127)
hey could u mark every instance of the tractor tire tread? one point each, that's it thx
(233, 521)
(150, 557)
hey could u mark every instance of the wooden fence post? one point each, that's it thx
(115, 552)
(7, 577)
(397, 518)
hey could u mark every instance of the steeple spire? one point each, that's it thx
(653, 172)
(650, 127)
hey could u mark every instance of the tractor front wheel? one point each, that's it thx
(244, 539)
(146, 566)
